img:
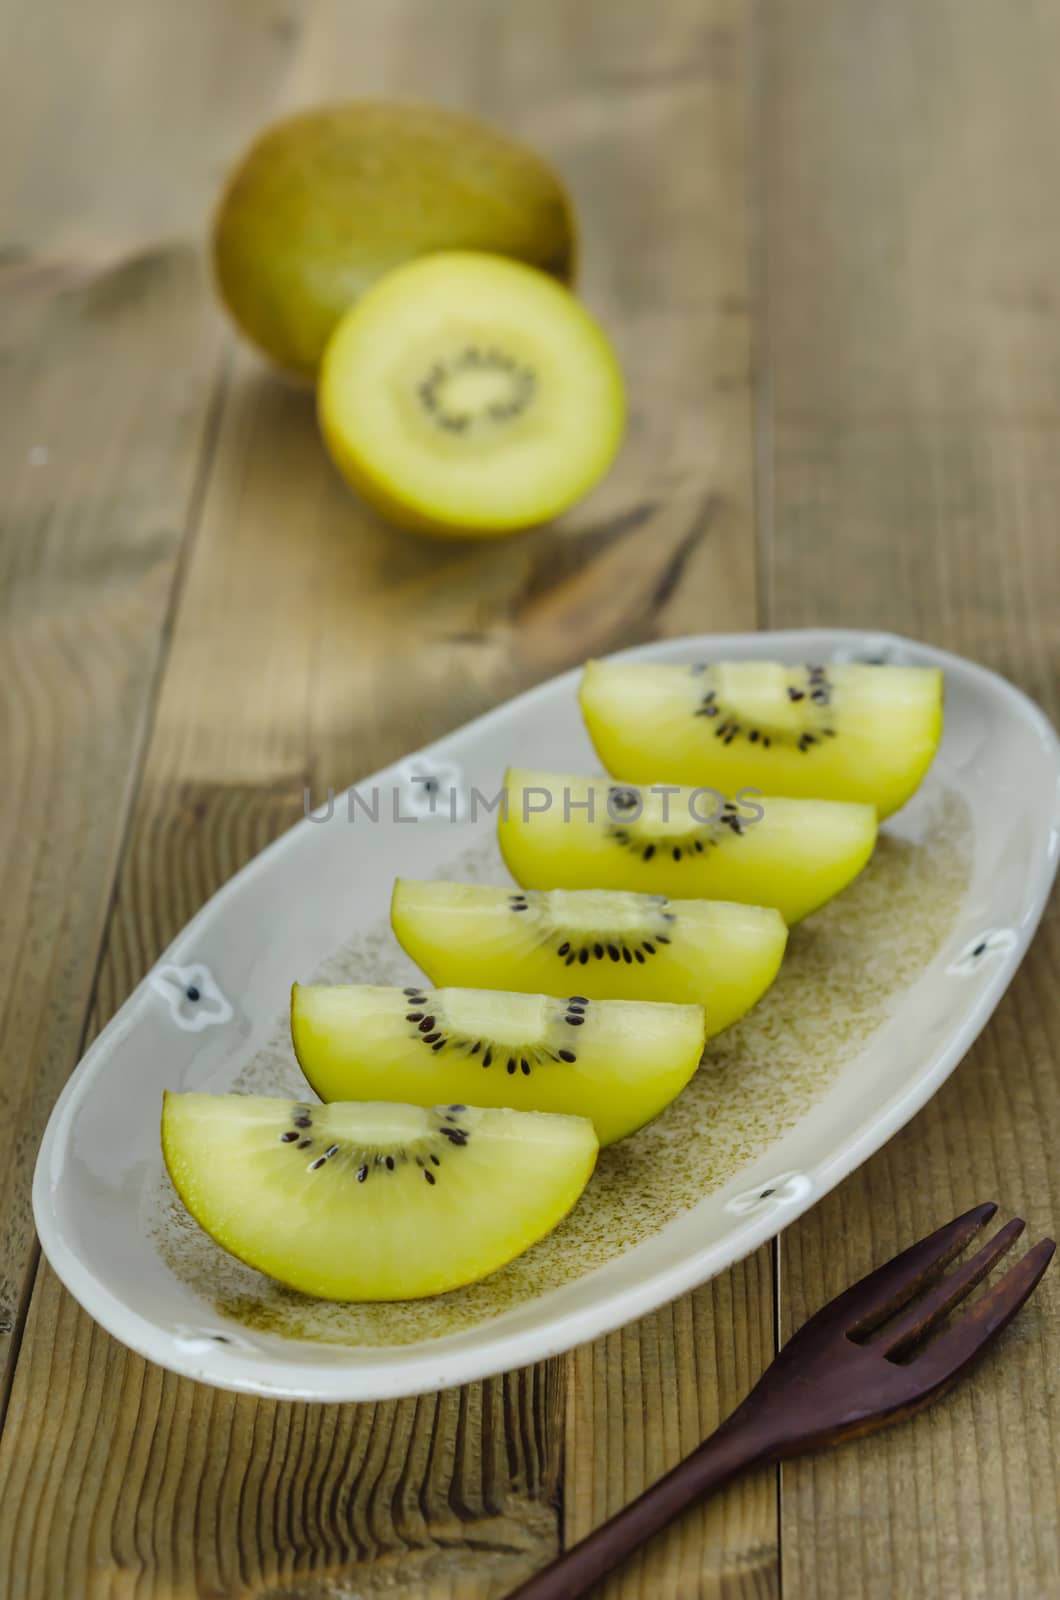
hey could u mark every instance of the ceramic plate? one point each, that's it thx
(880, 995)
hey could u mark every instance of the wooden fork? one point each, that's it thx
(832, 1381)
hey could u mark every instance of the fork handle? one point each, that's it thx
(737, 1444)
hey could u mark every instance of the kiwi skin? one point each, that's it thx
(326, 202)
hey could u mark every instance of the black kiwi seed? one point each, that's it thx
(583, 956)
(649, 947)
(638, 957)
(487, 1058)
(303, 1121)
(613, 952)
(390, 1163)
(660, 938)
(437, 1160)
(438, 1045)
(429, 1176)
(410, 992)
(332, 1150)
(626, 956)
(319, 1162)
(598, 951)
(570, 960)
(427, 1024)
(288, 1138)
(526, 1069)
(649, 851)
(362, 1173)
(564, 948)
(414, 1016)
(574, 1019)
(429, 1038)
(303, 1144)
(458, 1107)
(577, 1000)
(567, 1055)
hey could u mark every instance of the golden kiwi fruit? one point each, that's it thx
(325, 202)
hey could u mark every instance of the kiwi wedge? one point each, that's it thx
(600, 945)
(370, 1201)
(325, 202)
(468, 395)
(850, 732)
(617, 1062)
(591, 833)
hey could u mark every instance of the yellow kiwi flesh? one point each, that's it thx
(372, 1201)
(559, 831)
(467, 395)
(617, 1062)
(326, 202)
(596, 944)
(833, 732)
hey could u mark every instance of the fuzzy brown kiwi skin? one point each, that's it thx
(379, 119)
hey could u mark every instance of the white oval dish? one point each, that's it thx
(210, 1016)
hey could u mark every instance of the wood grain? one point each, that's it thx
(295, 608)
(111, 361)
(910, 473)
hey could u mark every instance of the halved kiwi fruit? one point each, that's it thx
(369, 1201)
(617, 1062)
(325, 202)
(853, 732)
(590, 833)
(468, 395)
(601, 945)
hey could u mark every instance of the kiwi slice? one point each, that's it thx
(604, 945)
(325, 202)
(372, 1202)
(852, 732)
(470, 395)
(617, 1062)
(590, 833)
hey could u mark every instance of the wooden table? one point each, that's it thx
(826, 237)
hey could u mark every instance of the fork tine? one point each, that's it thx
(955, 1348)
(948, 1292)
(867, 1302)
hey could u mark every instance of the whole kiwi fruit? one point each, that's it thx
(325, 202)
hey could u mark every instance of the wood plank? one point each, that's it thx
(911, 472)
(115, 1478)
(111, 354)
(645, 1396)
